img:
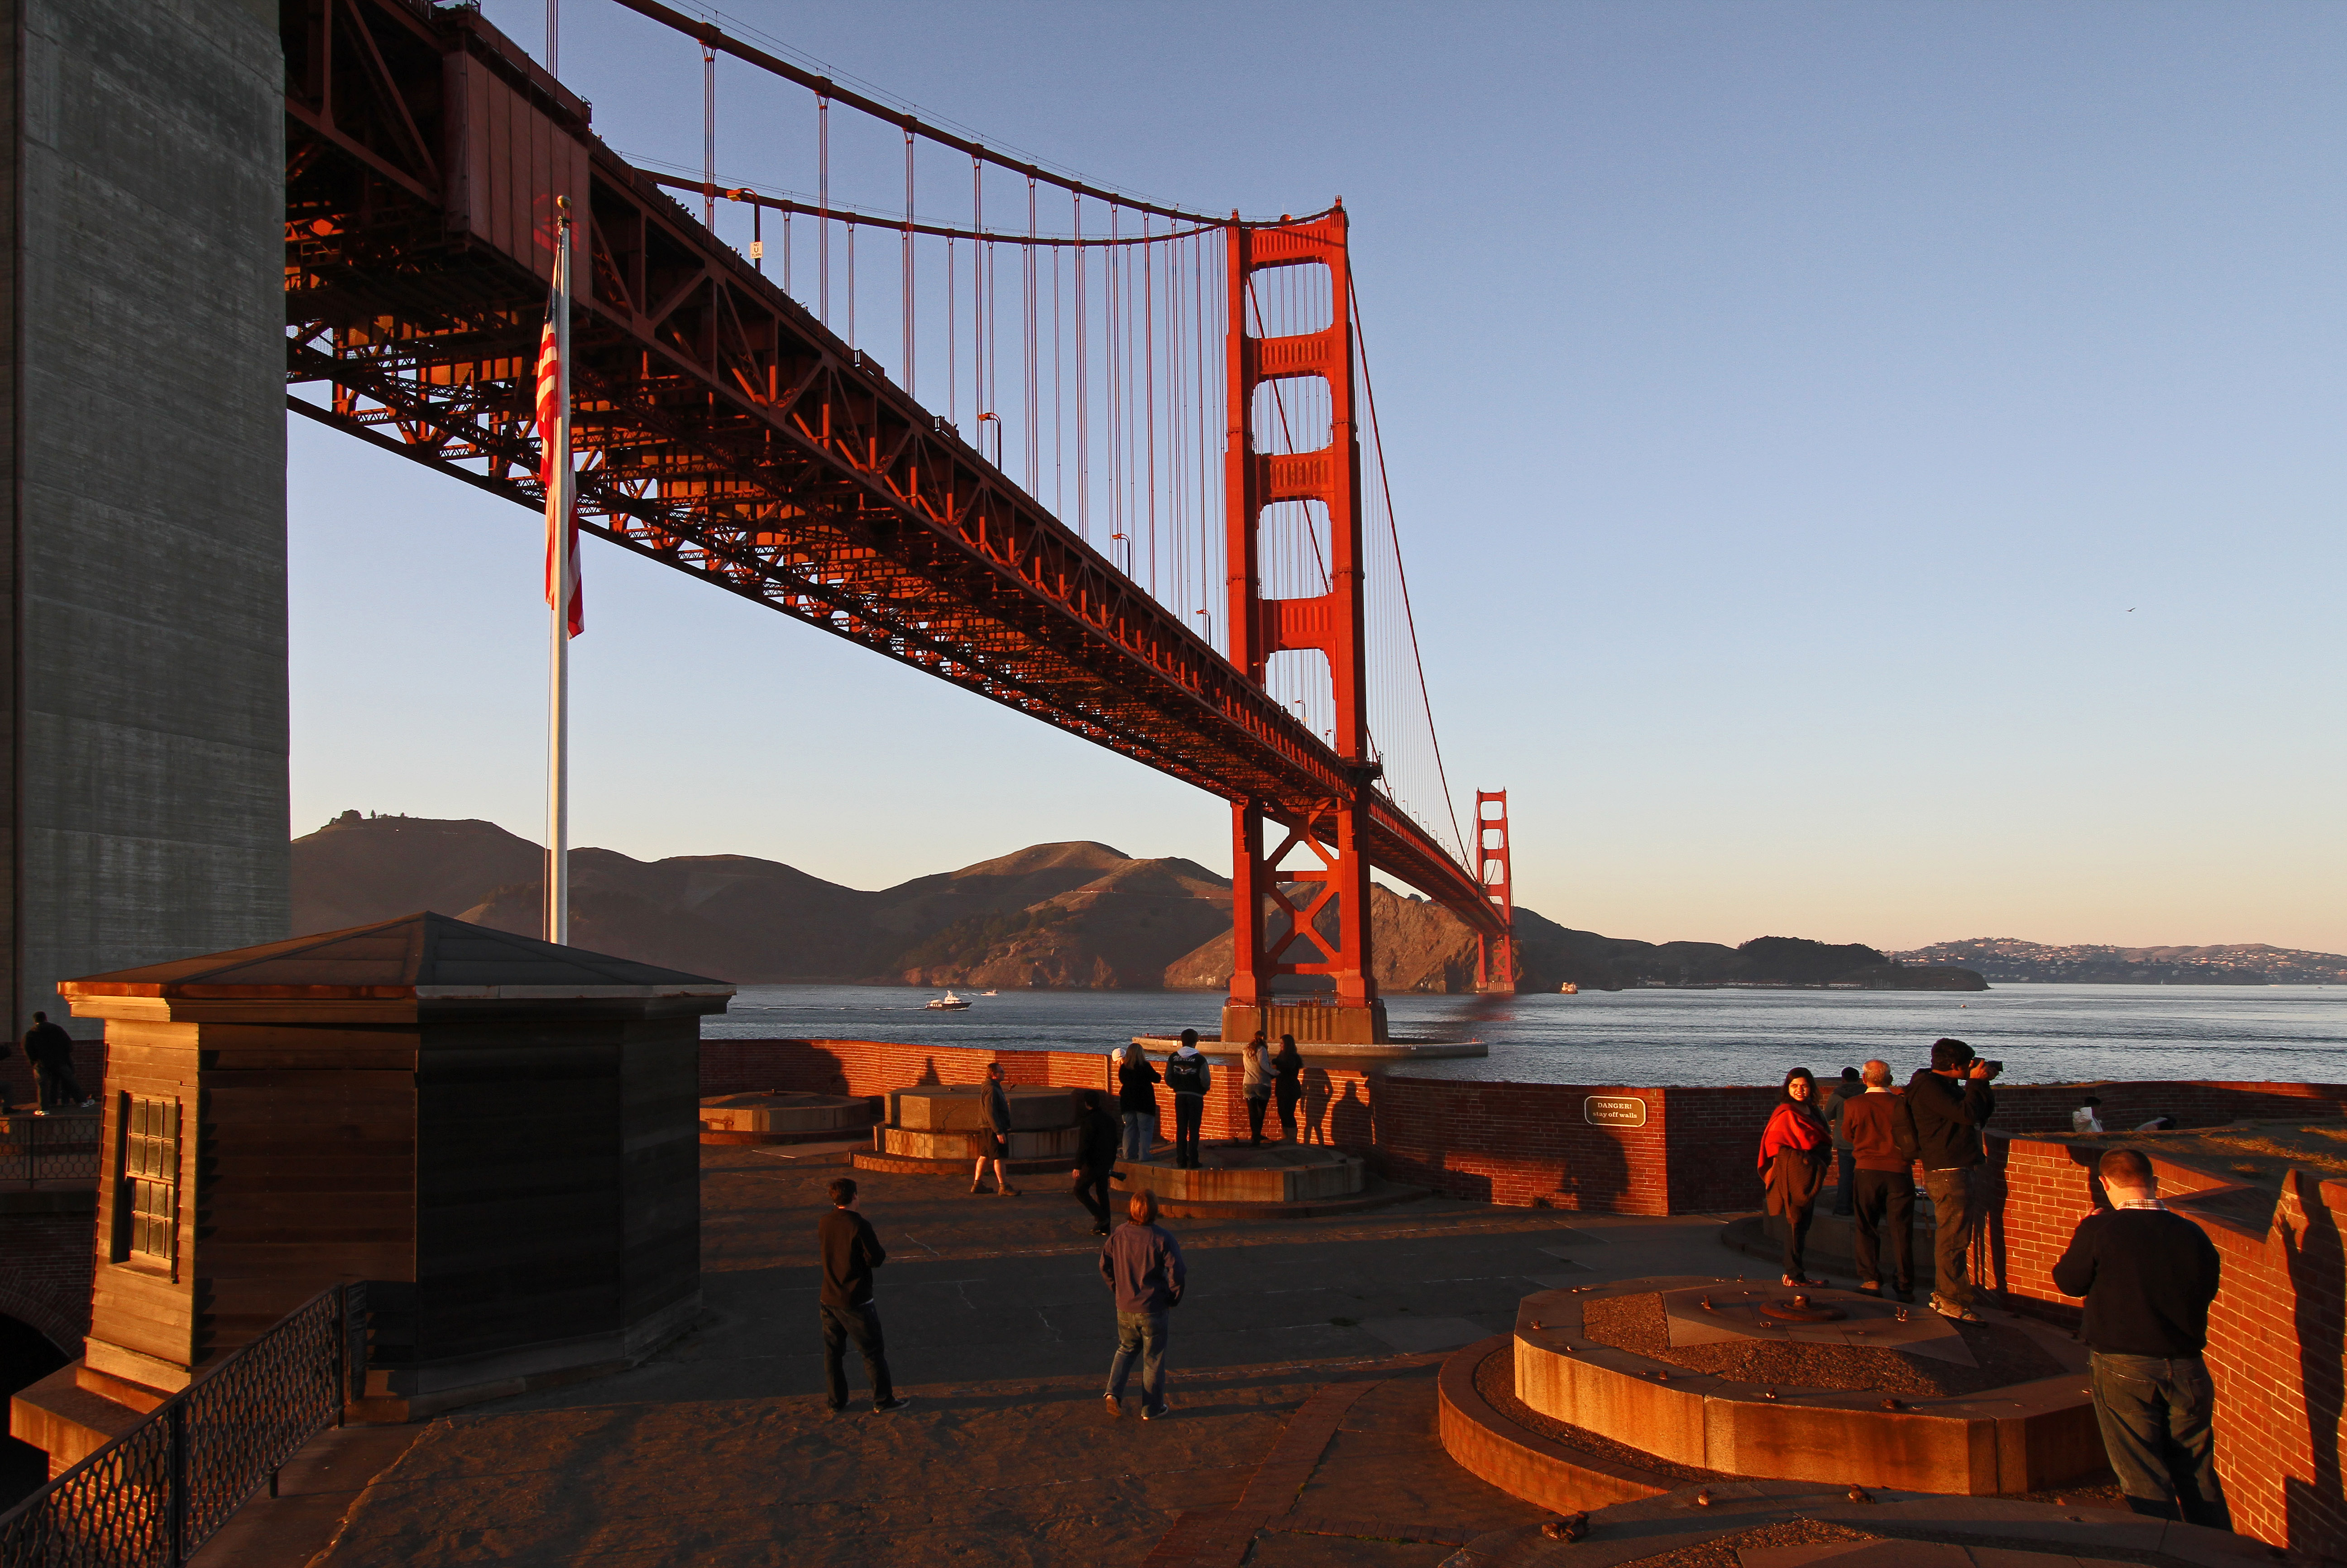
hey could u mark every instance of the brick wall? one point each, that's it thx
(47, 1263)
(2277, 1335)
(1523, 1144)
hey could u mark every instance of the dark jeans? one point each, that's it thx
(1091, 1190)
(1845, 1180)
(1139, 1132)
(1886, 1200)
(861, 1324)
(1957, 1212)
(1188, 1110)
(53, 1085)
(1257, 1105)
(1287, 1095)
(2155, 1414)
(1139, 1334)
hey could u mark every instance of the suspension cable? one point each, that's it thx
(714, 38)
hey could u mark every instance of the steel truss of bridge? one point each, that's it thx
(724, 430)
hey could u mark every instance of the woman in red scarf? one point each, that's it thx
(1793, 1155)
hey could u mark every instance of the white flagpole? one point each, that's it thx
(558, 503)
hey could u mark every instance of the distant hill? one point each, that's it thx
(2008, 959)
(1076, 915)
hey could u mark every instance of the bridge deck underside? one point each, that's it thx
(721, 430)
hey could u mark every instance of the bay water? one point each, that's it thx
(2044, 1033)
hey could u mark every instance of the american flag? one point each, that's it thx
(561, 533)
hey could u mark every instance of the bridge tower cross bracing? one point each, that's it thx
(1495, 957)
(1275, 906)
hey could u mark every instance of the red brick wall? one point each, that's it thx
(2277, 1335)
(1523, 1144)
(1336, 1108)
(46, 1263)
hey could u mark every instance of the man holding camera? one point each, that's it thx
(1950, 1102)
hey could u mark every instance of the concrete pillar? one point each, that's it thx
(142, 486)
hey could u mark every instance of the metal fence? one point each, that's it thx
(48, 1148)
(159, 1490)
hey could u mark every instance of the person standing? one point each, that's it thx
(1136, 1096)
(1254, 1064)
(1882, 1136)
(48, 1051)
(1845, 1163)
(1951, 1102)
(1287, 1084)
(1187, 1077)
(851, 1251)
(994, 1143)
(1143, 1264)
(1095, 1158)
(2148, 1276)
(1793, 1150)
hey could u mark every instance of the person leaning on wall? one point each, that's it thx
(1287, 1084)
(1136, 1097)
(2148, 1276)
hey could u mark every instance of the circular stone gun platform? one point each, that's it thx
(773, 1117)
(2014, 1437)
(937, 1128)
(1284, 1181)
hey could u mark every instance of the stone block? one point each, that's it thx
(921, 1145)
(944, 1107)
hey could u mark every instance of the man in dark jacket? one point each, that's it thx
(1143, 1264)
(48, 1051)
(1951, 1103)
(850, 1253)
(1845, 1162)
(994, 1143)
(1095, 1158)
(2148, 1276)
(1881, 1136)
(1187, 1076)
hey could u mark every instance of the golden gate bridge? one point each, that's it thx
(1124, 477)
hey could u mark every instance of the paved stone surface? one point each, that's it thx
(1299, 1436)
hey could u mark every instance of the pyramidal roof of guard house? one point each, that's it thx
(425, 956)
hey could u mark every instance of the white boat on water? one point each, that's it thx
(990, 993)
(946, 1004)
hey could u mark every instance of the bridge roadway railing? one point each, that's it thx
(725, 432)
(165, 1487)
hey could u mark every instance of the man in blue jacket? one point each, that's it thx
(1143, 1264)
(1187, 1076)
(2148, 1276)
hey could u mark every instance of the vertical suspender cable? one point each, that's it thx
(709, 137)
(1084, 387)
(904, 270)
(1149, 386)
(554, 38)
(1034, 400)
(851, 282)
(823, 208)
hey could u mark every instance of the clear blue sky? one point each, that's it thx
(1868, 472)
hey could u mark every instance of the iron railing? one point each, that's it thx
(153, 1495)
(48, 1148)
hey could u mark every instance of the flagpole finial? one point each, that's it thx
(562, 207)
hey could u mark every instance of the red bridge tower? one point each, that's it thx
(1495, 957)
(1319, 910)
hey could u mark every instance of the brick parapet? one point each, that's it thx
(2277, 1331)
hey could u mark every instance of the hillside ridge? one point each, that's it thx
(1074, 914)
